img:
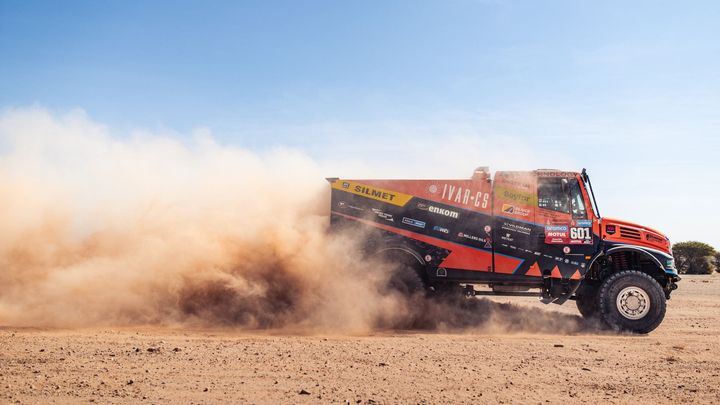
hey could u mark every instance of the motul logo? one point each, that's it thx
(443, 211)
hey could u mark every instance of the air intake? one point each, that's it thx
(629, 233)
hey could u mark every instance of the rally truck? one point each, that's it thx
(520, 233)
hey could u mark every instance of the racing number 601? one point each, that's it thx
(580, 233)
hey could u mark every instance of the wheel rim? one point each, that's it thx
(633, 303)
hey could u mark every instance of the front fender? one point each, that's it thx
(663, 261)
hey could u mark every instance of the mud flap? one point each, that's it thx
(555, 290)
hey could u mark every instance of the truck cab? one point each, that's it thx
(524, 232)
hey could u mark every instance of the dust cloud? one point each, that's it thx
(165, 229)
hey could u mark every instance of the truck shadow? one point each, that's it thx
(456, 314)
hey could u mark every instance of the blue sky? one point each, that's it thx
(630, 90)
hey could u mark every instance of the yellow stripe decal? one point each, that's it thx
(375, 193)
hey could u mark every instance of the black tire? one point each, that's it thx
(405, 273)
(587, 302)
(631, 301)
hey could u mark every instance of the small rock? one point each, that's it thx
(303, 392)
(382, 364)
(585, 369)
(129, 382)
(177, 349)
(205, 390)
(558, 345)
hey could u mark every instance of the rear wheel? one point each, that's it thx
(404, 272)
(632, 301)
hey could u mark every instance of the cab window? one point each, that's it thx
(562, 195)
(553, 194)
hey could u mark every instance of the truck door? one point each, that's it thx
(568, 241)
(515, 231)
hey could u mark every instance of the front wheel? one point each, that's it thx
(631, 301)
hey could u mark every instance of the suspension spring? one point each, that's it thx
(621, 261)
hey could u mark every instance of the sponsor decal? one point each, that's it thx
(465, 196)
(471, 237)
(413, 222)
(428, 258)
(553, 216)
(375, 193)
(383, 215)
(511, 180)
(441, 229)
(566, 249)
(520, 197)
(443, 211)
(507, 237)
(508, 226)
(487, 242)
(433, 189)
(487, 229)
(512, 209)
(556, 228)
(422, 206)
(583, 223)
(555, 173)
(346, 205)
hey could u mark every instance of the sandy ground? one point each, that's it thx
(679, 362)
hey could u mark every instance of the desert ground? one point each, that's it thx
(678, 362)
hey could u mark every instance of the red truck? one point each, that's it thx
(522, 233)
